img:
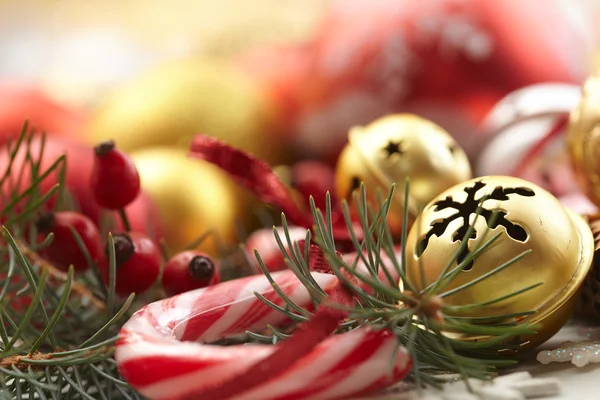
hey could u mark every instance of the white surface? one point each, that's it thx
(577, 383)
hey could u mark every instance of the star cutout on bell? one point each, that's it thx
(393, 147)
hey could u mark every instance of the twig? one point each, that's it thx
(56, 275)
(16, 360)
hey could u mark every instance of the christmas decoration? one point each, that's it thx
(523, 136)
(581, 139)
(187, 271)
(115, 181)
(449, 61)
(580, 354)
(394, 148)
(65, 328)
(50, 150)
(589, 305)
(550, 246)
(203, 316)
(327, 306)
(22, 102)
(191, 197)
(64, 250)
(167, 106)
(137, 263)
(256, 176)
(312, 178)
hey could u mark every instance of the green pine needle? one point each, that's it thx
(56, 335)
(388, 306)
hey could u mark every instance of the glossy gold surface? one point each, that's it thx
(560, 243)
(169, 105)
(397, 147)
(192, 196)
(583, 139)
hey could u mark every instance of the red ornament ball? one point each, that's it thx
(189, 270)
(138, 263)
(64, 250)
(115, 179)
(314, 178)
(20, 102)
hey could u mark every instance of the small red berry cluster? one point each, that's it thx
(115, 183)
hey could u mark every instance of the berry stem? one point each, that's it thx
(104, 148)
(125, 220)
(164, 250)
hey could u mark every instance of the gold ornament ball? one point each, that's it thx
(394, 148)
(583, 139)
(192, 197)
(560, 242)
(169, 105)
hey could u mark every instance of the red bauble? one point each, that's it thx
(21, 102)
(115, 180)
(138, 263)
(187, 271)
(314, 178)
(79, 168)
(143, 217)
(141, 212)
(447, 60)
(64, 250)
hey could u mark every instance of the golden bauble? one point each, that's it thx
(169, 105)
(560, 242)
(192, 197)
(394, 148)
(583, 139)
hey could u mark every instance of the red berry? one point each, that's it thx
(187, 271)
(138, 263)
(64, 250)
(115, 178)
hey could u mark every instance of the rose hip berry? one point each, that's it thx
(64, 249)
(115, 179)
(138, 262)
(187, 271)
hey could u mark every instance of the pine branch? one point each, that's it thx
(56, 334)
(420, 319)
(59, 277)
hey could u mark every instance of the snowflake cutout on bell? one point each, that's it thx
(547, 248)
(394, 148)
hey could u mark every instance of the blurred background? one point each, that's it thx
(282, 79)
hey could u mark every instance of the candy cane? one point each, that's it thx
(162, 354)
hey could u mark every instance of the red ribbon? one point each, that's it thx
(258, 177)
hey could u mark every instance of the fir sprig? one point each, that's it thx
(419, 318)
(56, 334)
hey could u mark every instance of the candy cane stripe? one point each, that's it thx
(160, 351)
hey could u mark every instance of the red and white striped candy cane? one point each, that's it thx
(162, 354)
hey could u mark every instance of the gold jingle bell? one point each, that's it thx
(397, 147)
(192, 197)
(560, 242)
(583, 139)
